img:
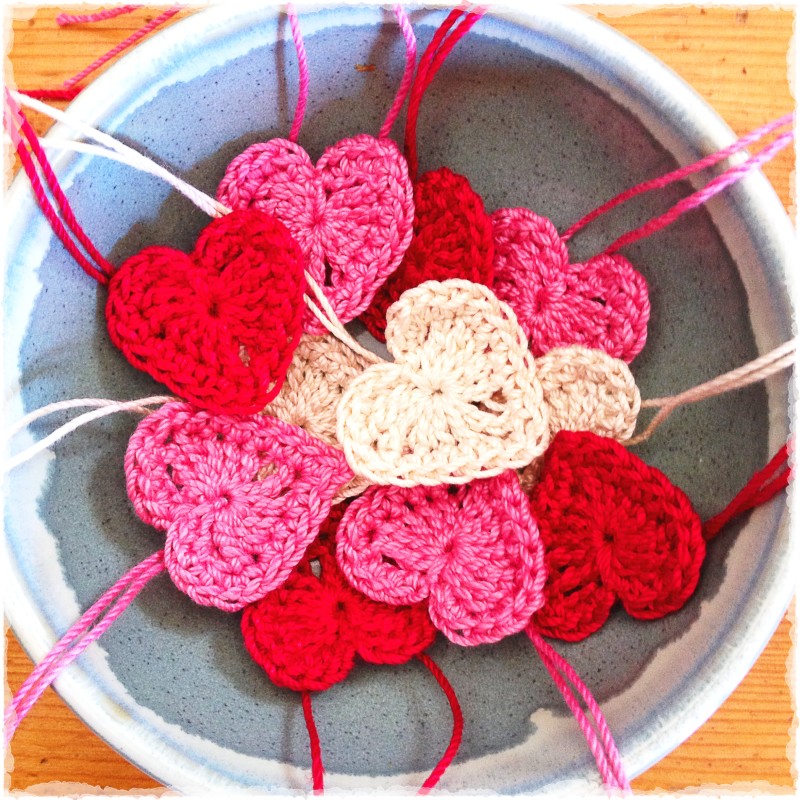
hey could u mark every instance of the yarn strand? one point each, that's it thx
(761, 488)
(103, 408)
(681, 173)
(596, 731)
(303, 77)
(99, 16)
(317, 769)
(759, 369)
(458, 724)
(408, 74)
(86, 630)
(698, 198)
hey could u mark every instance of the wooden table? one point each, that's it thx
(737, 60)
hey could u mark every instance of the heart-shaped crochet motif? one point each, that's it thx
(474, 551)
(351, 214)
(306, 634)
(461, 400)
(452, 239)
(219, 326)
(320, 371)
(613, 528)
(602, 304)
(240, 498)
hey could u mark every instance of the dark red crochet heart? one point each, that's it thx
(306, 634)
(219, 326)
(613, 528)
(452, 239)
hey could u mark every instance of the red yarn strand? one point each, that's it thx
(458, 724)
(433, 57)
(760, 489)
(317, 770)
(52, 94)
(27, 143)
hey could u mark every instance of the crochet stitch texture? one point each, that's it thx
(461, 400)
(351, 214)
(240, 498)
(474, 551)
(306, 634)
(613, 528)
(219, 326)
(602, 304)
(452, 239)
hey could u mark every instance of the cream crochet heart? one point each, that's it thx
(460, 401)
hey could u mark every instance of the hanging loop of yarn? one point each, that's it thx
(90, 627)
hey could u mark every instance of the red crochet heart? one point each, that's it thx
(307, 634)
(219, 326)
(452, 239)
(613, 528)
(601, 304)
(351, 213)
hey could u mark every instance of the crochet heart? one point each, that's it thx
(460, 401)
(321, 369)
(473, 551)
(306, 634)
(219, 326)
(351, 214)
(613, 528)
(452, 239)
(601, 304)
(240, 498)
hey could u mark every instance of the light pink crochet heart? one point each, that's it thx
(240, 498)
(472, 550)
(602, 304)
(351, 214)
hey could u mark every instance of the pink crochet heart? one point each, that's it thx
(351, 214)
(240, 498)
(472, 550)
(602, 304)
(218, 326)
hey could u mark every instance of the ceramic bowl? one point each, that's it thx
(554, 112)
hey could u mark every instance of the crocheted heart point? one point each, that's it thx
(219, 326)
(351, 214)
(240, 498)
(601, 304)
(452, 239)
(461, 400)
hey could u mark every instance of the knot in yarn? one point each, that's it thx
(306, 634)
(613, 528)
(461, 400)
(473, 551)
(321, 369)
(601, 304)
(240, 498)
(351, 214)
(219, 326)
(452, 239)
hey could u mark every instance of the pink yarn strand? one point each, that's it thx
(99, 16)
(408, 74)
(123, 45)
(681, 173)
(703, 195)
(302, 68)
(86, 630)
(602, 746)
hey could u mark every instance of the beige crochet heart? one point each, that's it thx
(460, 401)
(585, 390)
(320, 371)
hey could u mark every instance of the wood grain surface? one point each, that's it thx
(737, 60)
